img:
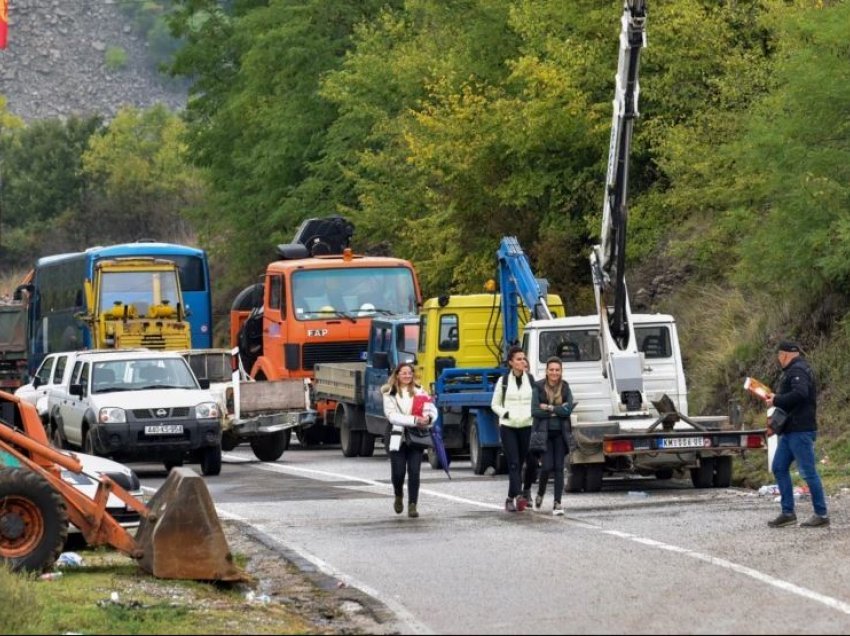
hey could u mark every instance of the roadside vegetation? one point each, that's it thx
(440, 127)
(110, 595)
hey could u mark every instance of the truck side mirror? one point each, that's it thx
(380, 360)
(36, 382)
(76, 389)
(204, 384)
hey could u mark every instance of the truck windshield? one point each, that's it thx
(139, 289)
(570, 345)
(137, 375)
(349, 292)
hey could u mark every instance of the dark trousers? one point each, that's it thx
(515, 447)
(406, 459)
(553, 460)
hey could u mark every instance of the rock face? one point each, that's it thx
(55, 63)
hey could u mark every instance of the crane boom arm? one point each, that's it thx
(608, 258)
(518, 283)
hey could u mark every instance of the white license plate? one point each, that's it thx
(680, 442)
(164, 429)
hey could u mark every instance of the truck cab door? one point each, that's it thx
(377, 371)
(662, 363)
(72, 408)
(274, 323)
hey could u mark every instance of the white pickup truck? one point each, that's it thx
(136, 405)
(260, 412)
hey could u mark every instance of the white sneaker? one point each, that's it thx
(557, 511)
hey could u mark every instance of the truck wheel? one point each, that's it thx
(576, 477)
(593, 479)
(172, 463)
(229, 442)
(309, 437)
(88, 443)
(367, 444)
(33, 521)
(664, 473)
(211, 461)
(349, 440)
(479, 457)
(703, 475)
(56, 438)
(269, 448)
(722, 471)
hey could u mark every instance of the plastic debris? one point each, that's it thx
(50, 576)
(637, 494)
(69, 560)
(772, 489)
(114, 598)
(263, 599)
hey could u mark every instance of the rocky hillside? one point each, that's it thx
(55, 63)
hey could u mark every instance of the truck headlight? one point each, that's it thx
(207, 410)
(111, 415)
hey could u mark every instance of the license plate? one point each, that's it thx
(164, 429)
(680, 442)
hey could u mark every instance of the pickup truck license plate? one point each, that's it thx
(164, 429)
(680, 442)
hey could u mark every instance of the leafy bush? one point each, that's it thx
(116, 58)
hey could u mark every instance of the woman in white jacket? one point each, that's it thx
(398, 405)
(511, 402)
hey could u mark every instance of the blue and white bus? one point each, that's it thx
(58, 295)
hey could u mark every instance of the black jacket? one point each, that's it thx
(797, 396)
(562, 411)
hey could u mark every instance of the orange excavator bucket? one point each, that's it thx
(181, 537)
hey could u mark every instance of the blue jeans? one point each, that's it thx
(799, 447)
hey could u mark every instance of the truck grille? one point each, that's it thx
(318, 352)
(151, 414)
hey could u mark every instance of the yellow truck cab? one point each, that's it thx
(465, 331)
(136, 302)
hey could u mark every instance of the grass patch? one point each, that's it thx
(81, 601)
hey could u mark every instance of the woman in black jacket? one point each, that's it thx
(551, 405)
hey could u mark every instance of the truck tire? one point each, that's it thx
(703, 475)
(593, 478)
(576, 476)
(480, 458)
(56, 437)
(228, 442)
(367, 444)
(309, 437)
(349, 439)
(722, 471)
(664, 474)
(88, 443)
(270, 448)
(33, 521)
(211, 461)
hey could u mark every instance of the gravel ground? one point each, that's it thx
(285, 578)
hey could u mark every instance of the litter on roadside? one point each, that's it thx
(69, 560)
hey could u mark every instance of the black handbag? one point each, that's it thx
(777, 418)
(537, 443)
(419, 437)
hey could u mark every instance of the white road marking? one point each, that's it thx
(414, 626)
(833, 603)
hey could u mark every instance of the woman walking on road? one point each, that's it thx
(511, 402)
(399, 392)
(552, 403)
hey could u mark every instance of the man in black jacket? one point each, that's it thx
(797, 396)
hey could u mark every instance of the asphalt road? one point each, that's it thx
(642, 556)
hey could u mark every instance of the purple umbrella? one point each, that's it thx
(440, 447)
